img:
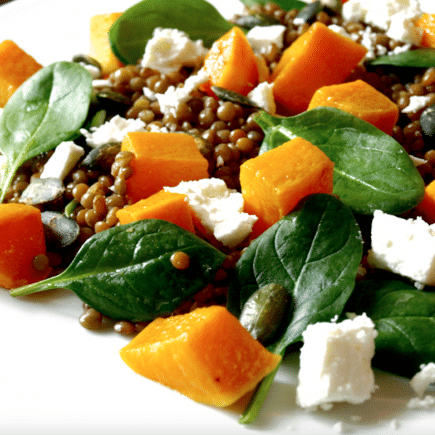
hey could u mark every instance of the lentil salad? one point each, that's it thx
(410, 138)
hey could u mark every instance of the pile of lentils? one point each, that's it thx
(226, 134)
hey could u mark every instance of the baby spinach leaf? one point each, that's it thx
(372, 171)
(199, 19)
(405, 321)
(419, 58)
(314, 258)
(125, 272)
(50, 107)
(287, 5)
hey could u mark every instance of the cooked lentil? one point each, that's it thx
(180, 260)
(227, 135)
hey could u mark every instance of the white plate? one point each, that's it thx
(58, 378)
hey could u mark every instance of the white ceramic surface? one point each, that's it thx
(57, 378)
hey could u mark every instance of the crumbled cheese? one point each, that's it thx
(148, 93)
(171, 49)
(219, 209)
(422, 379)
(261, 38)
(416, 103)
(102, 83)
(173, 97)
(112, 131)
(421, 403)
(63, 160)
(403, 246)
(335, 362)
(395, 17)
(417, 161)
(262, 96)
(93, 70)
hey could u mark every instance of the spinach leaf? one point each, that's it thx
(315, 259)
(125, 272)
(405, 321)
(199, 19)
(47, 109)
(287, 5)
(419, 58)
(372, 171)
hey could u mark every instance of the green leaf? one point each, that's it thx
(199, 19)
(372, 171)
(287, 5)
(419, 58)
(405, 321)
(48, 108)
(315, 259)
(125, 272)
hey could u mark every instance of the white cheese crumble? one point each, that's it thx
(174, 96)
(421, 380)
(112, 131)
(63, 160)
(219, 209)
(395, 17)
(335, 362)
(261, 38)
(262, 96)
(171, 49)
(416, 103)
(425, 402)
(403, 246)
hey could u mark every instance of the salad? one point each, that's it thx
(257, 136)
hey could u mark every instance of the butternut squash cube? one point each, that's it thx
(16, 66)
(206, 355)
(274, 182)
(427, 24)
(426, 208)
(231, 64)
(21, 240)
(319, 57)
(361, 100)
(99, 42)
(162, 159)
(169, 206)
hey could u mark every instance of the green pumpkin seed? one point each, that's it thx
(264, 311)
(60, 231)
(42, 190)
(234, 97)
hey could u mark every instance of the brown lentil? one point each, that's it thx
(91, 319)
(40, 262)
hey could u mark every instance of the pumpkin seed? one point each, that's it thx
(264, 311)
(91, 64)
(308, 12)
(42, 190)
(427, 122)
(250, 21)
(112, 101)
(234, 97)
(60, 231)
(103, 156)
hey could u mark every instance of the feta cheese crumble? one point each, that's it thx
(170, 49)
(403, 246)
(219, 209)
(262, 96)
(112, 131)
(416, 103)
(422, 379)
(174, 96)
(63, 160)
(335, 362)
(261, 38)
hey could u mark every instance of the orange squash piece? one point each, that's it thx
(274, 182)
(206, 355)
(169, 206)
(21, 240)
(16, 66)
(231, 64)
(427, 24)
(162, 159)
(319, 57)
(99, 42)
(359, 99)
(426, 208)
